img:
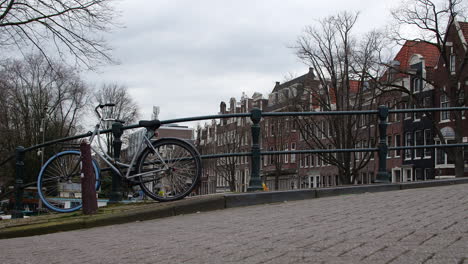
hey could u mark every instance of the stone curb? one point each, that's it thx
(203, 204)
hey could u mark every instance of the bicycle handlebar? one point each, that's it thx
(102, 106)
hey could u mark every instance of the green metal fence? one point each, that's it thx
(256, 116)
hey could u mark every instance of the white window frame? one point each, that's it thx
(293, 156)
(444, 165)
(452, 63)
(397, 143)
(408, 152)
(407, 114)
(415, 142)
(286, 156)
(426, 138)
(444, 103)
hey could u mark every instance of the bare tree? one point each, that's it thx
(125, 108)
(343, 68)
(276, 136)
(68, 28)
(435, 23)
(231, 139)
(40, 101)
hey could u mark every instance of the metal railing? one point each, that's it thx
(256, 116)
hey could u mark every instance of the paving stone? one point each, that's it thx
(409, 226)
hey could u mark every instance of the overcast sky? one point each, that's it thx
(188, 56)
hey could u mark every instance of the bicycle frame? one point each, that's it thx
(111, 161)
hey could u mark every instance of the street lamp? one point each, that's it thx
(42, 130)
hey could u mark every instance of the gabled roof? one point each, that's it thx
(301, 79)
(354, 86)
(464, 28)
(429, 51)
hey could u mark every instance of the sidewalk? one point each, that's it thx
(119, 214)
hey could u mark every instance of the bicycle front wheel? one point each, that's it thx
(59, 181)
(170, 170)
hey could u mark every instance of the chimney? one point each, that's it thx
(222, 107)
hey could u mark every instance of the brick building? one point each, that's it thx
(420, 76)
(229, 135)
(451, 78)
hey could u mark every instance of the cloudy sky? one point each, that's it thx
(188, 56)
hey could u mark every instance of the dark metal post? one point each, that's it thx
(19, 176)
(116, 193)
(88, 181)
(255, 183)
(382, 175)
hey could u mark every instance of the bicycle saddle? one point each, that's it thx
(150, 123)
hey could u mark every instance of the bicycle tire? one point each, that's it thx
(175, 181)
(61, 171)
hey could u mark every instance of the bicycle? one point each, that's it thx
(166, 169)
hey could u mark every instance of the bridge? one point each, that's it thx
(423, 225)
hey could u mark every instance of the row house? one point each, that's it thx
(452, 79)
(411, 70)
(436, 77)
(421, 75)
(229, 135)
(291, 171)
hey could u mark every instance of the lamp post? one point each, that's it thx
(42, 130)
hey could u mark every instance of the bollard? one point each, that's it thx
(88, 180)
(19, 175)
(116, 192)
(255, 183)
(382, 175)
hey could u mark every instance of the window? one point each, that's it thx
(452, 63)
(418, 141)
(306, 161)
(293, 156)
(427, 141)
(358, 154)
(286, 155)
(396, 116)
(428, 102)
(444, 103)
(408, 143)
(312, 160)
(440, 155)
(406, 106)
(442, 158)
(417, 85)
(397, 144)
(417, 115)
(272, 157)
(301, 161)
(389, 143)
(322, 128)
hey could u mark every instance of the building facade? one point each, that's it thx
(422, 75)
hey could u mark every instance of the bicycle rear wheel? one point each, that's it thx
(173, 177)
(59, 181)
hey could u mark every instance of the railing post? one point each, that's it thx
(255, 183)
(19, 176)
(116, 193)
(382, 175)
(88, 181)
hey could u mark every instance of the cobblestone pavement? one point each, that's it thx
(427, 225)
